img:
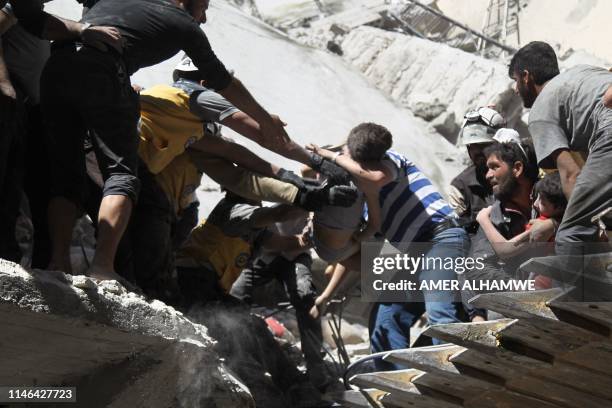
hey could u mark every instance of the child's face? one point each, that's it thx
(545, 207)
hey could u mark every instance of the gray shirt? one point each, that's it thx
(205, 103)
(25, 56)
(568, 113)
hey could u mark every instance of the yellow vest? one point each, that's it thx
(179, 180)
(209, 246)
(167, 127)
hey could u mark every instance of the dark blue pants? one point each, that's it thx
(390, 322)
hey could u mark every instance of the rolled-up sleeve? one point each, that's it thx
(199, 50)
(548, 137)
(210, 106)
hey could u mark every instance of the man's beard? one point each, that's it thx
(506, 188)
(528, 94)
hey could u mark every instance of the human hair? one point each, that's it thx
(538, 58)
(369, 141)
(550, 188)
(510, 153)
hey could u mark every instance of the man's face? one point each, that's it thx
(197, 9)
(475, 150)
(501, 178)
(525, 87)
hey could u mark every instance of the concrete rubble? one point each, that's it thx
(435, 81)
(117, 348)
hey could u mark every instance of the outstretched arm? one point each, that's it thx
(248, 127)
(271, 126)
(372, 172)
(236, 154)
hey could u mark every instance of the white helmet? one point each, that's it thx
(185, 65)
(480, 126)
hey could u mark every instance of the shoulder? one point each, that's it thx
(465, 178)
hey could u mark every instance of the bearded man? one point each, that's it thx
(512, 174)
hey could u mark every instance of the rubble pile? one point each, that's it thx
(117, 348)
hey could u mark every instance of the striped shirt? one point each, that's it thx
(411, 206)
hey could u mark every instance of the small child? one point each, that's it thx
(550, 203)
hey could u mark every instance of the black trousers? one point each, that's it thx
(88, 92)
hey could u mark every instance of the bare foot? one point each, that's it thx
(99, 273)
(477, 319)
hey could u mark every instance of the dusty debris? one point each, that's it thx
(118, 348)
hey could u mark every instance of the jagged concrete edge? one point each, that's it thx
(52, 292)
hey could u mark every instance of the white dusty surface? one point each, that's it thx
(430, 77)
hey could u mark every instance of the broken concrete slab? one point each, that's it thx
(408, 68)
(118, 348)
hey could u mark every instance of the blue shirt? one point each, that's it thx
(411, 205)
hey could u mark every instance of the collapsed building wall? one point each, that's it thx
(436, 82)
(118, 349)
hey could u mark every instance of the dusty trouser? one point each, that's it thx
(89, 90)
(11, 176)
(591, 195)
(296, 277)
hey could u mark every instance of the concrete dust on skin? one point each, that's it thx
(118, 348)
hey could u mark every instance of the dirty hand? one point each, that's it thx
(483, 214)
(102, 37)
